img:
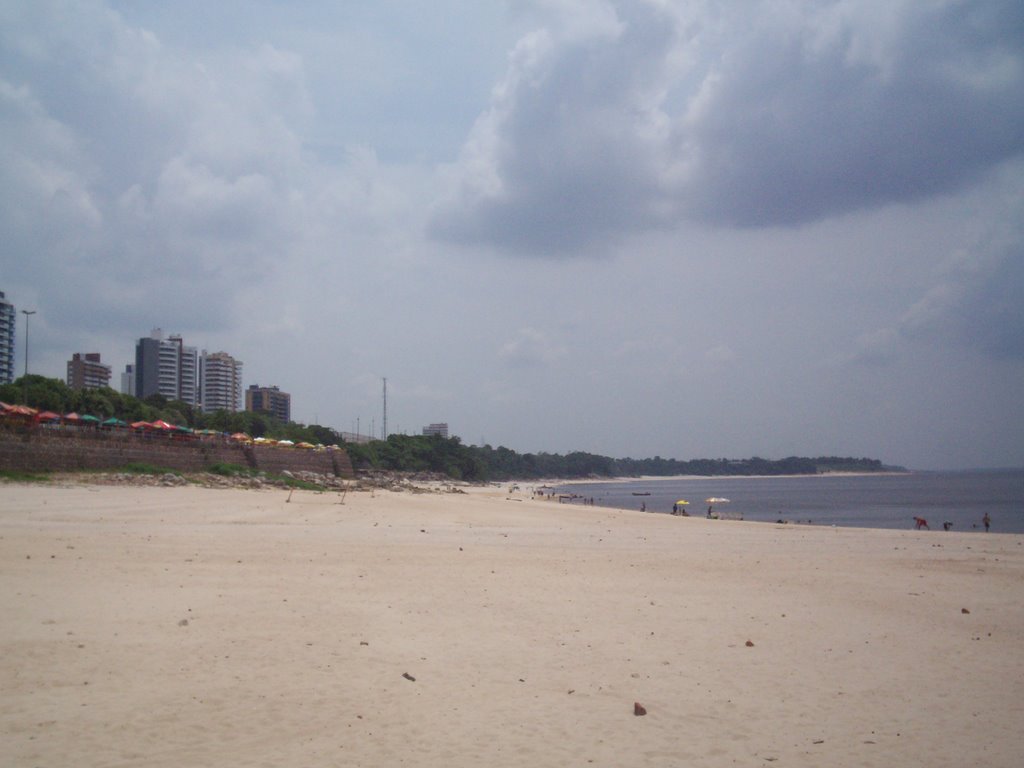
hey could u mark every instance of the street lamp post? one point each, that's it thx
(27, 313)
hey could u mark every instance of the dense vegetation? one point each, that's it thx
(54, 395)
(409, 453)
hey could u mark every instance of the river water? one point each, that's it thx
(867, 501)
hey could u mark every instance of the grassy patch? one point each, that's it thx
(293, 482)
(141, 468)
(231, 470)
(16, 476)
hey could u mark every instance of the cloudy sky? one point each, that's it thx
(632, 227)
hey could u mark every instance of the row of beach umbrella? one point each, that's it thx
(25, 413)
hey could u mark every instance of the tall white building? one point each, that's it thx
(6, 340)
(188, 373)
(220, 382)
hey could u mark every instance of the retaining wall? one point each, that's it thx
(63, 449)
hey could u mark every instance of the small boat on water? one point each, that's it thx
(641, 493)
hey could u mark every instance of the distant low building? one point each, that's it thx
(441, 428)
(355, 437)
(88, 371)
(269, 400)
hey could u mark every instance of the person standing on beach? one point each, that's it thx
(986, 521)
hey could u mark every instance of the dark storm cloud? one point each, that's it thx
(970, 304)
(753, 117)
(997, 321)
(803, 123)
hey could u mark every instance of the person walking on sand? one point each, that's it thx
(986, 521)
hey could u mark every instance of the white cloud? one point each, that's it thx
(530, 347)
(720, 355)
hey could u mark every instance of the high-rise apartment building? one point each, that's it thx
(270, 400)
(7, 316)
(166, 367)
(440, 429)
(87, 371)
(220, 382)
(189, 374)
(128, 380)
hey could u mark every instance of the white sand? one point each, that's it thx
(193, 627)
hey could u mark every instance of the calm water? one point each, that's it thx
(883, 501)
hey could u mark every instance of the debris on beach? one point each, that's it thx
(750, 643)
(639, 710)
(409, 677)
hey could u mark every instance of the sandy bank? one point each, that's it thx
(189, 626)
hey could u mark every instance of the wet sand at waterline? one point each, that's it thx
(190, 627)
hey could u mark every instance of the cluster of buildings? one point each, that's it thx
(208, 381)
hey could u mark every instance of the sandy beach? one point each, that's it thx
(203, 627)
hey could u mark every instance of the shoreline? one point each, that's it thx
(649, 478)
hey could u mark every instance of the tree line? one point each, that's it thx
(409, 453)
(48, 394)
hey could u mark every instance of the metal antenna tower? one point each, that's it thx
(384, 427)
